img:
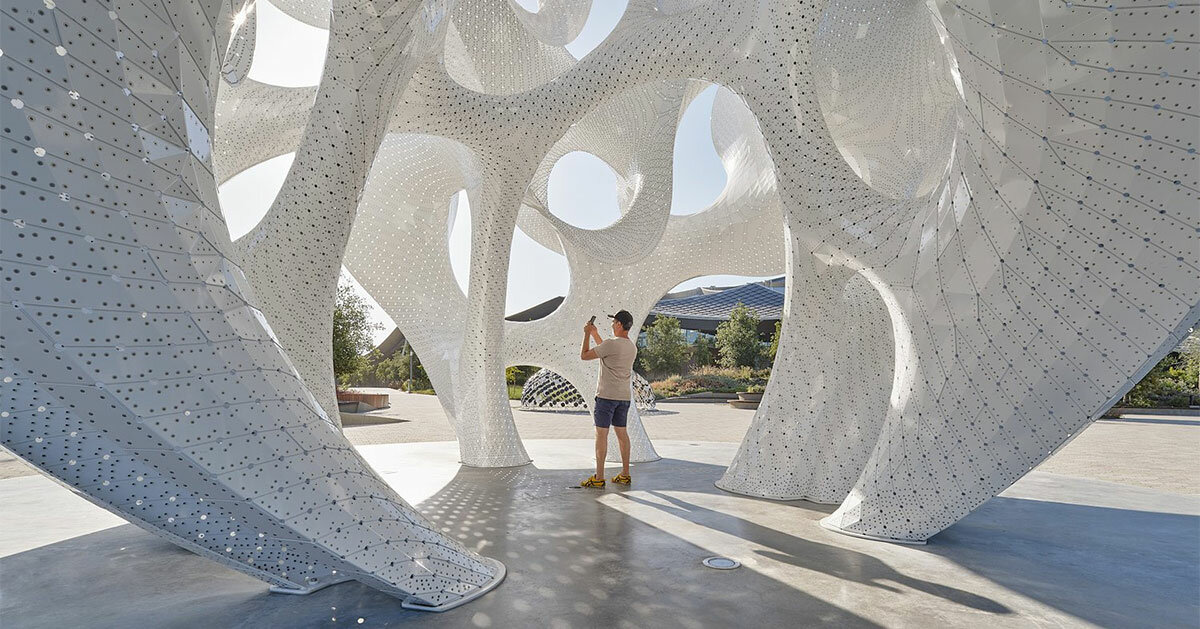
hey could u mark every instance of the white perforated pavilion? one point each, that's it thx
(987, 212)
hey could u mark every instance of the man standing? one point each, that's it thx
(612, 391)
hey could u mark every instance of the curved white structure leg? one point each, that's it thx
(828, 393)
(487, 436)
(1043, 274)
(136, 365)
(313, 213)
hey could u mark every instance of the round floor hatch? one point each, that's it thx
(721, 563)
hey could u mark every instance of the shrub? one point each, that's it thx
(666, 350)
(377, 371)
(1172, 382)
(747, 375)
(704, 351)
(518, 374)
(673, 386)
(737, 338)
(710, 379)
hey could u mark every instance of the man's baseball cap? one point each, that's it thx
(624, 317)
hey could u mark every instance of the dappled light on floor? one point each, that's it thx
(631, 557)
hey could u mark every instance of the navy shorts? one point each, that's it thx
(611, 412)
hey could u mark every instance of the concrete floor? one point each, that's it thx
(1145, 450)
(418, 417)
(1053, 550)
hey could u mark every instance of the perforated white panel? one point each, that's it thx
(136, 361)
(986, 209)
(990, 220)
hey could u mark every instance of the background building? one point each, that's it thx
(701, 310)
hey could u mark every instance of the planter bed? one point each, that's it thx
(1183, 412)
(373, 400)
(706, 396)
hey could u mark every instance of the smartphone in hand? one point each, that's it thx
(592, 321)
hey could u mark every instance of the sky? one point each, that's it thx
(582, 188)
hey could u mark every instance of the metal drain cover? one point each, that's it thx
(721, 563)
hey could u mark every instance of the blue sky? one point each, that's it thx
(582, 188)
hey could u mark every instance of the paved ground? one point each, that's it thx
(12, 467)
(423, 420)
(1152, 451)
(1159, 452)
(1052, 551)
(1099, 535)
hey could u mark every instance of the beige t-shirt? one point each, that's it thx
(616, 363)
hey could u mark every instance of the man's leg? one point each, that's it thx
(623, 444)
(603, 419)
(602, 449)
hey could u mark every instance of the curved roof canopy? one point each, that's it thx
(766, 302)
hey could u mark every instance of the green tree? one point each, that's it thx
(704, 351)
(666, 350)
(351, 332)
(518, 374)
(773, 349)
(375, 370)
(367, 374)
(737, 338)
(398, 369)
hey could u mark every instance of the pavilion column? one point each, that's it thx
(828, 393)
(487, 436)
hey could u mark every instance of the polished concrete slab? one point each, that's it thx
(38, 511)
(1054, 550)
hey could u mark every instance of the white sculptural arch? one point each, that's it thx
(990, 298)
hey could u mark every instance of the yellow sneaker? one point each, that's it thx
(622, 479)
(592, 481)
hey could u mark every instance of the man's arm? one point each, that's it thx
(588, 352)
